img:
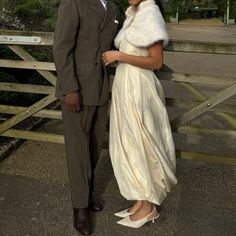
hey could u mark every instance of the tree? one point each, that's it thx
(232, 11)
(232, 8)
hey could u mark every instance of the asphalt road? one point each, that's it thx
(224, 34)
(205, 64)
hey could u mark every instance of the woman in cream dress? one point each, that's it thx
(141, 144)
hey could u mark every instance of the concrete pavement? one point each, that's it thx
(35, 199)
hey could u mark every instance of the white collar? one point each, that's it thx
(104, 3)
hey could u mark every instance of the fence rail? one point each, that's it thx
(221, 104)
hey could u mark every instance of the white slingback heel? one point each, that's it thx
(138, 223)
(124, 213)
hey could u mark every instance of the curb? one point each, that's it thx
(15, 143)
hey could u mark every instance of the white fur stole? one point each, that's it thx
(143, 27)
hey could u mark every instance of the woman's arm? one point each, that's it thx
(153, 61)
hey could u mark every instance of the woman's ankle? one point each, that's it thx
(136, 206)
(148, 206)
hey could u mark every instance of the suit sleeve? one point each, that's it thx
(65, 37)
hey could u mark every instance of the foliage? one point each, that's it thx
(6, 97)
(232, 8)
(122, 5)
(6, 53)
(41, 14)
(177, 5)
(35, 14)
(222, 6)
(20, 76)
(13, 98)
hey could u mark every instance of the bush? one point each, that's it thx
(35, 14)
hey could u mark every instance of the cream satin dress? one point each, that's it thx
(140, 143)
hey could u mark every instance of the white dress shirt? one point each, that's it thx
(104, 3)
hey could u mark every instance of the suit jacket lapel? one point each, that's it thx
(97, 6)
(110, 12)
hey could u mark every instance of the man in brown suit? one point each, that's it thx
(84, 30)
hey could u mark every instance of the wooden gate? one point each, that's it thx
(15, 40)
(220, 104)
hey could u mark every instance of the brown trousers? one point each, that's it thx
(84, 135)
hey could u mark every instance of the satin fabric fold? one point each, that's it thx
(141, 144)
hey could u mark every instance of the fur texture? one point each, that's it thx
(144, 27)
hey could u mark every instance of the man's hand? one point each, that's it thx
(73, 101)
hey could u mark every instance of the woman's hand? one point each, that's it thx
(110, 57)
(153, 61)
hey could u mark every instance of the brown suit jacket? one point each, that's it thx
(84, 30)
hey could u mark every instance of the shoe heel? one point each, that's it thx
(153, 220)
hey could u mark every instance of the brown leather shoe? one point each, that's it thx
(81, 220)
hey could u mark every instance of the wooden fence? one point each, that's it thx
(219, 104)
